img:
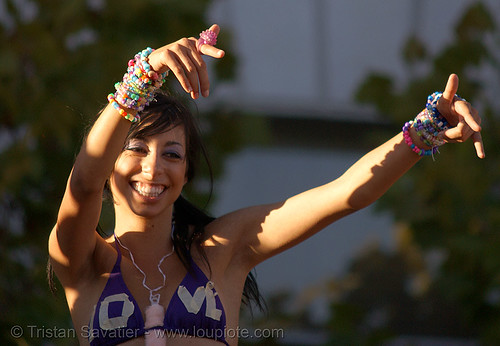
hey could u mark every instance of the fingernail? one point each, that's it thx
(206, 93)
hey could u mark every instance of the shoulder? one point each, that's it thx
(101, 261)
(233, 235)
(228, 228)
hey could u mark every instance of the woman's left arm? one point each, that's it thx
(262, 231)
(381, 168)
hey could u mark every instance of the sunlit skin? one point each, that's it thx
(149, 174)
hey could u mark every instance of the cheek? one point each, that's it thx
(116, 184)
(177, 173)
(118, 180)
(181, 173)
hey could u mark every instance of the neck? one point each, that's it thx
(144, 236)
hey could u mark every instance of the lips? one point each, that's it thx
(148, 190)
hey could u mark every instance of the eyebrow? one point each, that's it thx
(173, 143)
(167, 144)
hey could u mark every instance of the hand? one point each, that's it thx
(184, 60)
(463, 118)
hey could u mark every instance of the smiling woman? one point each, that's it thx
(170, 272)
(150, 172)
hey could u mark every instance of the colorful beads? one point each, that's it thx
(428, 127)
(428, 124)
(123, 113)
(138, 86)
(413, 146)
(206, 37)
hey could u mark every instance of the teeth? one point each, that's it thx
(147, 190)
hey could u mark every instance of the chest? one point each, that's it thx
(192, 307)
(117, 301)
(175, 288)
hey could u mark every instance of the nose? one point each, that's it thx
(150, 166)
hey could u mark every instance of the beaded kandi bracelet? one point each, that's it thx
(123, 113)
(138, 86)
(427, 128)
(428, 124)
(413, 146)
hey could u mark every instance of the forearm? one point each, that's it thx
(374, 174)
(99, 151)
(371, 176)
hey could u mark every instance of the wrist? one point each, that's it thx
(420, 151)
(137, 88)
(422, 133)
(417, 140)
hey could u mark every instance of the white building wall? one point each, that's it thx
(313, 54)
(298, 55)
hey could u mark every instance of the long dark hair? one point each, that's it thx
(163, 114)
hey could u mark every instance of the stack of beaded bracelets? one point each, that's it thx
(138, 86)
(427, 124)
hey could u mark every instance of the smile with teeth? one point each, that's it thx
(148, 190)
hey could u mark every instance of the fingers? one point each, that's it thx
(449, 102)
(470, 115)
(468, 124)
(450, 89)
(186, 63)
(461, 113)
(215, 28)
(459, 133)
(194, 68)
(478, 144)
(175, 58)
(212, 51)
(445, 103)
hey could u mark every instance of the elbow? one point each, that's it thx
(355, 206)
(361, 199)
(360, 192)
(84, 184)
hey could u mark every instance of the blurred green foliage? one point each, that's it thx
(59, 59)
(442, 283)
(452, 205)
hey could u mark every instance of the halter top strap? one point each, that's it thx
(116, 267)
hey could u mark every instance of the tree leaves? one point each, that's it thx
(453, 204)
(58, 63)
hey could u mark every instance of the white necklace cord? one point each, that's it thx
(154, 298)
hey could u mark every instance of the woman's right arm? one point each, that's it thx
(73, 239)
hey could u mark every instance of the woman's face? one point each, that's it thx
(150, 173)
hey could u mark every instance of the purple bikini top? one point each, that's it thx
(195, 310)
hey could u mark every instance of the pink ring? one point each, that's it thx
(206, 37)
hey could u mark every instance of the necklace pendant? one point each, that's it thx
(154, 298)
(155, 336)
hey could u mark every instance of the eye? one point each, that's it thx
(173, 155)
(136, 149)
(136, 145)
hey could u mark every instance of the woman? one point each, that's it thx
(146, 283)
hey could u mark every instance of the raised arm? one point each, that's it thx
(269, 229)
(73, 238)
